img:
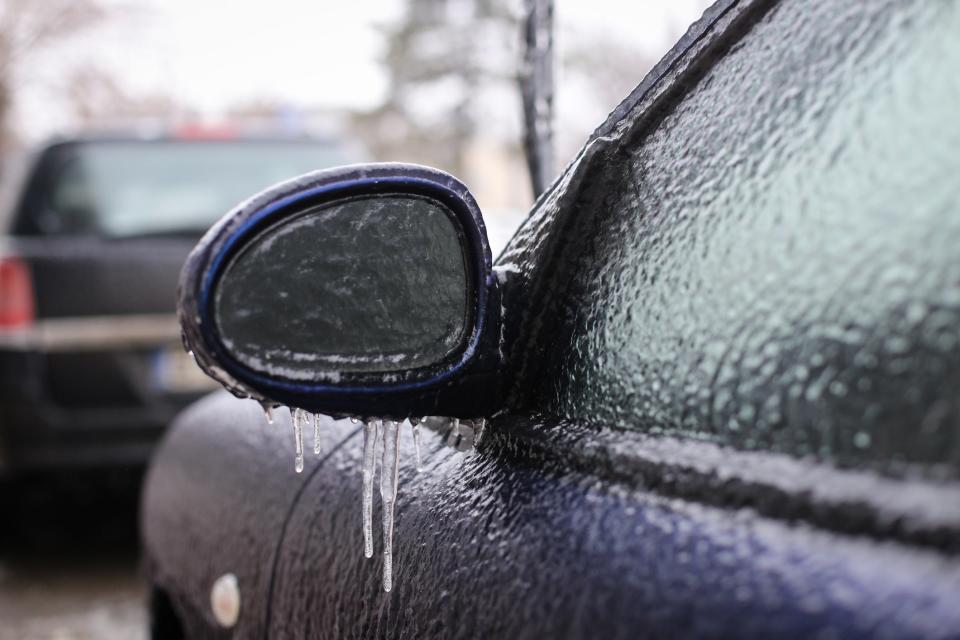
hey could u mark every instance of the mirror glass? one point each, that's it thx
(372, 284)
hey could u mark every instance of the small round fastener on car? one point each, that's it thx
(225, 600)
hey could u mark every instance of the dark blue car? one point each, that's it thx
(709, 390)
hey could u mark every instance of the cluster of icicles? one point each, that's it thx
(373, 429)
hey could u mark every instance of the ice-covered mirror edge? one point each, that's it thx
(398, 397)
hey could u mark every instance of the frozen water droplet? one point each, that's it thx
(267, 411)
(316, 434)
(355, 420)
(389, 469)
(416, 446)
(299, 417)
(370, 431)
(479, 428)
(453, 435)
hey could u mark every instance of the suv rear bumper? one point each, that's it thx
(80, 410)
(46, 437)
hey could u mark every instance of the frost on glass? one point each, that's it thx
(774, 263)
(362, 285)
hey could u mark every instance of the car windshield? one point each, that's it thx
(122, 189)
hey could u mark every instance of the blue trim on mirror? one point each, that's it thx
(408, 179)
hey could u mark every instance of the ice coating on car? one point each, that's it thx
(473, 518)
(772, 260)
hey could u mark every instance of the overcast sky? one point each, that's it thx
(214, 53)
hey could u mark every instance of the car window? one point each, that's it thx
(132, 188)
(772, 265)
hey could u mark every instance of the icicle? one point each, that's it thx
(389, 468)
(267, 411)
(479, 428)
(369, 465)
(299, 417)
(416, 445)
(316, 434)
(453, 435)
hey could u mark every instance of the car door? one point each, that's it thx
(732, 334)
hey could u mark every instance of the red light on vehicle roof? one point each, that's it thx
(205, 132)
(16, 294)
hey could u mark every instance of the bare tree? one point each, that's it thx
(606, 68)
(439, 56)
(29, 26)
(95, 97)
(611, 68)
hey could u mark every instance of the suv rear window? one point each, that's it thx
(132, 188)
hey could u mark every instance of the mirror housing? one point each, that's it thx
(363, 290)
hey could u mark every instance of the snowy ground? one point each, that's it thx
(71, 600)
(69, 560)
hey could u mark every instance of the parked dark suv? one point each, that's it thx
(91, 367)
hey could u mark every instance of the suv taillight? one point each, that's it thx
(16, 294)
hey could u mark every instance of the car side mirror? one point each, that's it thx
(360, 290)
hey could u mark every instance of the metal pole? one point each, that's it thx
(536, 88)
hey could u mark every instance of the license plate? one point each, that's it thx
(174, 371)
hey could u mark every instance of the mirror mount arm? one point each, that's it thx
(480, 390)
